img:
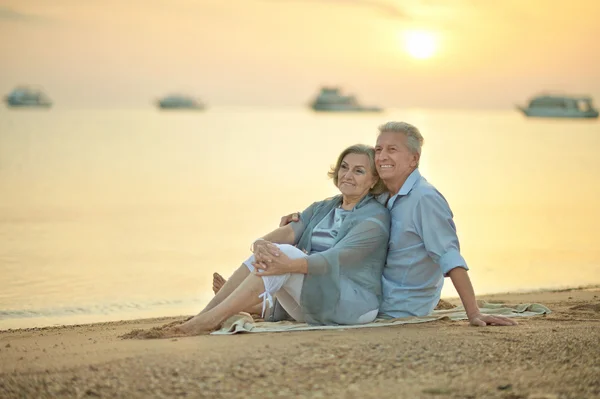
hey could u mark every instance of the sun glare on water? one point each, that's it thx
(420, 44)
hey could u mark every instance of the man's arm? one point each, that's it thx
(287, 219)
(438, 232)
(464, 288)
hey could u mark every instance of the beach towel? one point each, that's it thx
(243, 322)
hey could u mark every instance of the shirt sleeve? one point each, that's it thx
(434, 223)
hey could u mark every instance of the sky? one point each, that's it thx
(489, 54)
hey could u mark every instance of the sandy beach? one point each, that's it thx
(553, 356)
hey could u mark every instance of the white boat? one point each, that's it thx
(176, 101)
(28, 96)
(556, 106)
(330, 99)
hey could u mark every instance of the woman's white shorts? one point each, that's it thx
(288, 288)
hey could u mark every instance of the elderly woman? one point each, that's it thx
(324, 269)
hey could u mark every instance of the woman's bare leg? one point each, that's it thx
(247, 293)
(218, 283)
(230, 285)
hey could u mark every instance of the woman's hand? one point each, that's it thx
(272, 265)
(264, 250)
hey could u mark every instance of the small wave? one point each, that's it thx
(104, 309)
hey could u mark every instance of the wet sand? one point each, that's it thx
(553, 356)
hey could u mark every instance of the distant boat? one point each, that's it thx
(330, 99)
(27, 96)
(180, 102)
(555, 106)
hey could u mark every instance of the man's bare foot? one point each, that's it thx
(218, 282)
(443, 305)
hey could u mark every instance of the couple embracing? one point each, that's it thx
(381, 248)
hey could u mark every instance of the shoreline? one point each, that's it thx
(550, 356)
(133, 319)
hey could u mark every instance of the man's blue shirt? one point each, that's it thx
(423, 248)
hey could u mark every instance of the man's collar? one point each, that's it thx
(406, 187)
(410, 182)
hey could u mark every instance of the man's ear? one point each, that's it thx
(416, 159)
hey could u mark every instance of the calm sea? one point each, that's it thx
(122, 214)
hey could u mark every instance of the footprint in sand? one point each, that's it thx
(593, 307)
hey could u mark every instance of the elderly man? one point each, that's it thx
(423, 246)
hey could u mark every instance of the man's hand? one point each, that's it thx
(482, 320)
(287, 219)
(463, 286)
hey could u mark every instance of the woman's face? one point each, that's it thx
(355, 177)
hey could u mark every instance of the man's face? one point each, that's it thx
(393, 159)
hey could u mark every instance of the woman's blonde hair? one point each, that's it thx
(363, 149)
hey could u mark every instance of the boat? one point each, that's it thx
(177, 101)
(331, 99)
(560, 106)
(28, 96)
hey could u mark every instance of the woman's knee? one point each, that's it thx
(274, 283)
(286, 247)
(291, 251)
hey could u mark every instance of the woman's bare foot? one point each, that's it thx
(218, 282)
(200, 324)
(168, 330)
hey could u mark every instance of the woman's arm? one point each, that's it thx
(281, 235)
(264, 249)
(282, 265)
(288, 234)
(360, 242)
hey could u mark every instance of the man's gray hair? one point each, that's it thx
(414, 140)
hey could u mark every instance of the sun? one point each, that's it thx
(420, 44)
